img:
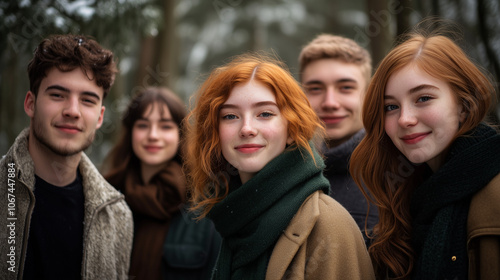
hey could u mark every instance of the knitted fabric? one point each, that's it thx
(343, 188)
(253, 215)
(440, 205)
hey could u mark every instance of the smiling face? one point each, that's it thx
(251, 128)
(422, 115)
(66, 112)
(335, 89)
(155, 137)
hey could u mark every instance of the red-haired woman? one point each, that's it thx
(146, 165)
(254, 173)
(431, 164)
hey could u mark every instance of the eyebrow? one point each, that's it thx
(161, 120)
(258, 104)
(344, 80)
(61, 88)
(416, 89)
(422, 87)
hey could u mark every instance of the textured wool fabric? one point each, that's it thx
(253, 216)
(440, 205)
(108, 226)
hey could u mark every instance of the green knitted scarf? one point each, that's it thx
(254, 215)
(440, 205)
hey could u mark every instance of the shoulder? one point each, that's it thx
(484, 208)
(92, 176)
(320, 212)
(324, 239)
(336, 221)
(331, 210)
(97, 190)
(19, 157)
(19, 150)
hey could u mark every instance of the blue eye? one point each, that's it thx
(266, 114)
(229, 117)
(390, 107)
(424, 98)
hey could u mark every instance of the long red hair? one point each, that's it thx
(385, 171)
(206, 168)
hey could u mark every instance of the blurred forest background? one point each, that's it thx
(176, 43)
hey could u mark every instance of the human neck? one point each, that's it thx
(54, 169)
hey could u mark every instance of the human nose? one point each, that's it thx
(248, 128)
(331, 99)
(72, 108)
(153, 132)
(407, 117)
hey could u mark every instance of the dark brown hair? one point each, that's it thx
(122, 158)
(67, 52)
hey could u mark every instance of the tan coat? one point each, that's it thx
(322, 241)
(483, 233)
(108, 225)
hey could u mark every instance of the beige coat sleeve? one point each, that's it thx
(483, 233)
(321, 242)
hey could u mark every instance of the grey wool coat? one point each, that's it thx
(108, 224)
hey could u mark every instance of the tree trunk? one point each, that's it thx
(167, 46)
(403, 16)
(146, 59)
(11, 114)
(483, 28)
(378, 28)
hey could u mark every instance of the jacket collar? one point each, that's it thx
(96, 189)
(24, 163)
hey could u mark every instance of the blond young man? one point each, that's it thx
(335, 72)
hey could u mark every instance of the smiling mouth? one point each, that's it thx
(248, 149)
(414, 138)
(68, 129)
(152, 149)
(332, 120)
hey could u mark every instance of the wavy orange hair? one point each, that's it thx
(377, 163)
(206, 168)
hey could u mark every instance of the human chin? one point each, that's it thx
(40, 133)
(420, 154)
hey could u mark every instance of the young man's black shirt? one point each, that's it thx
(55, 244)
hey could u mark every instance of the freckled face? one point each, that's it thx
(422, 115)
(252, 129)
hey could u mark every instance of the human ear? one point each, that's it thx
(462, 113)
(29, 104)
(101, 117)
